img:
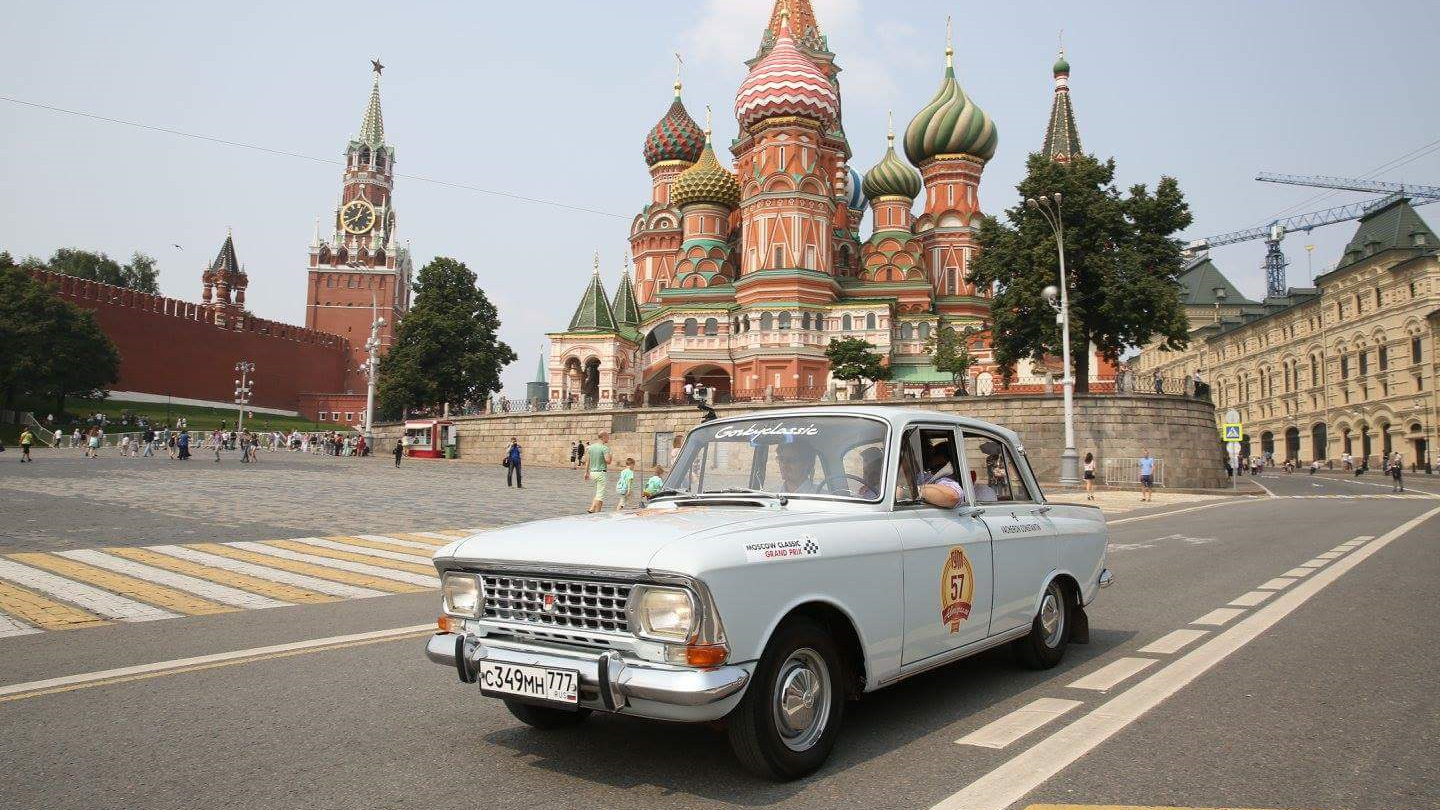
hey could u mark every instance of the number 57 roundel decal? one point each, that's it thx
(957, 586)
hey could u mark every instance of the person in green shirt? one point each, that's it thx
(624, 484)
(26, 439)
(653, 485)
(597, 467)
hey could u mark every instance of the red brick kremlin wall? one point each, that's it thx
(172, 347)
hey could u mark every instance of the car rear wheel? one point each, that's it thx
(546, 717)
(1050, 632)
(786, 725)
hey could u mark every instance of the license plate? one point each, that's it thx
(536, 683)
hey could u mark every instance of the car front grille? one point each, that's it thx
(584, 605)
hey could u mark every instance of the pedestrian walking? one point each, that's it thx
(398, 451)
(512, 464)
(623, 484)
(653, 485)
(1147, 477)
(597, 468)
(1089, 476)
(149, 443)
(1159, 383)
(92, 443)
(182, 446)
(1397, 469)
(26, 439)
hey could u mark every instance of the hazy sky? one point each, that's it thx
(553, 100)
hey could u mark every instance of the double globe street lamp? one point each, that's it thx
(1049, 207)
(244, 387)
(370, 367)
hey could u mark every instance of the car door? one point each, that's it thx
(1024, 548)
(947, 565)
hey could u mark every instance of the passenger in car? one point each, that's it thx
(984, 493)
(932, 489)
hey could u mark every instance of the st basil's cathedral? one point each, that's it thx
(743, 276)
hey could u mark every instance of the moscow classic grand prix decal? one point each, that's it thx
(957, 587)
(806, 545)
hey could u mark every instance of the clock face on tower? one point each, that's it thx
(357, 216)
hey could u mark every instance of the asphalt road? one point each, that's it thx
(1320, 696)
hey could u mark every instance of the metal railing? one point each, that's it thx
(1126, 472)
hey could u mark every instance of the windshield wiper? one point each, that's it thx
(748, 491)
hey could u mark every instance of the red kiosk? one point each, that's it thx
(429, 438)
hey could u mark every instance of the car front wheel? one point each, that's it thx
(1050, 632)
(789, 718)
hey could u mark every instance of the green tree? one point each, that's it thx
(140, 274)
(855, 360)
(52, 348)
(1122, 264)
(950, 352)
(446, 349)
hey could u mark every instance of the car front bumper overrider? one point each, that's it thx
(608, 681)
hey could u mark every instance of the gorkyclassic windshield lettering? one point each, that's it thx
(789, 566)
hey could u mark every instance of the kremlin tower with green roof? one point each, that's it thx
(744, 271)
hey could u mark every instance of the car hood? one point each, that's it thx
(608, 540)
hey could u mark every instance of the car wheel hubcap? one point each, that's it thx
(802, 699)
(1052, 616)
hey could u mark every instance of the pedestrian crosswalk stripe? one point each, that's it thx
(329, 559)
(136, 589)
(416, 537)
(324, 548)
(444, 537)
(388, 543)
(363, 546)
(275, 571)
(234, 579)
(215, 592)
(300, 567)
(14, 627)
(94, 600)
(457, 534)
(30, 607)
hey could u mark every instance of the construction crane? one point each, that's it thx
(1275, 261)
(1352, 184)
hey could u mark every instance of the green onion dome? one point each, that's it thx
(675, 137)
(705, 182)
(892, 177)
(1062, 65)
(951, 124)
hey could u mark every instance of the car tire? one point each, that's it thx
(787, 723)
(545, 717)
(1049, 632)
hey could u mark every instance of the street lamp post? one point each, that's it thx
(372, 346)
(1424, 431)
(243, 388)
(1049, 207)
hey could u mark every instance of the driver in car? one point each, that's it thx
(931, 488)
(797, 466)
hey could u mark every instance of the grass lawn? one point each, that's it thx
(198, 418)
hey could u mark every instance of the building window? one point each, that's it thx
(692, 327)
(1382, 356)
(1377, 297)
(784, 320)
(767, 321)
(1419, 383)
(1412, 289)
(745, 322)
(1359, 304)
(924, 331)
(951, 288)
(1415, 349)
(349, 416)
(846, 324)
(907, 332)
(334, 416)
(870, 321)
(779, 256)
(1345, 367)
(321, 416)
(810, 257)
(712, 327)
(1364, 362)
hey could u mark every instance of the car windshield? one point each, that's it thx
(817, 456)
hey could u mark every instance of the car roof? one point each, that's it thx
(895, 416)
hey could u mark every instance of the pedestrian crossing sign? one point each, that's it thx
(1232, 432)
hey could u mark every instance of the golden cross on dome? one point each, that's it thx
(890, 126)
(949, 49)
(376, 66)
(707, 120)
(679, 64)
(596, 268)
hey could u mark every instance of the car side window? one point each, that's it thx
(993, 473)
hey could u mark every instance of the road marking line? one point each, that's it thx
(440, 537)
(1018, 723)
(214, 592)
(168, 599)
(1173, 641)
(1277, 584)
(1117, 807)
(422, 537)
(1112, 673)
(317, 571)
(1225, 501)
(330, 561)
(1329, 555)
(93, 599)
(223, 575)
(456, 534)
(67, 683)
(325, 556)
(391, 543)
(11, 626)
(1299, 572)
(1017, 777)
(1314, 564)
(44, 613)
(265, 572)
(364, 552)
(1219, 616)
(1251, 599)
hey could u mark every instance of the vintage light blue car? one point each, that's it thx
(796, 559)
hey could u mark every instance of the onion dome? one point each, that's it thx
(675, 137)
(705, 182)
(854, 195)
(951, 124)
(786, 82)
(1062, 65)
(892, 177)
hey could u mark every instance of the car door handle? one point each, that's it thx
(1043, 510)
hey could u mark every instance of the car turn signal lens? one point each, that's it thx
(706, 655)
(450, 624)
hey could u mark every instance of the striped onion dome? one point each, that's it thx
(705, 182)
(854, 193)
(951, 124)
(786, 82)
(892, 177)
(675, 137)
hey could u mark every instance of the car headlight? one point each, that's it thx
(662, 614)
(461, 595)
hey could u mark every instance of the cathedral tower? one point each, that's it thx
(1062, 139)
(359, 271)
(671, 147)
(225, 283)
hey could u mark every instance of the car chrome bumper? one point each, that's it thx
(608, 682)
(1106, 578)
